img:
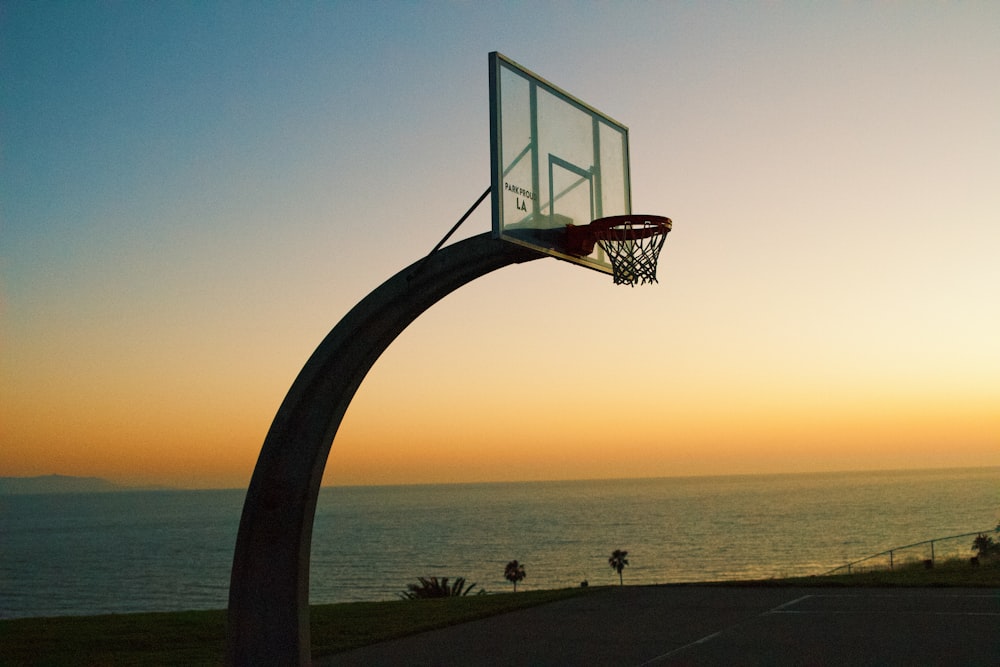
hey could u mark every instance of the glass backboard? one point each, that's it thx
(556, 162)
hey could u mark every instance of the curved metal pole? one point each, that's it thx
(268, 620)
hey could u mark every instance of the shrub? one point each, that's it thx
(984, 546)
(432, 587)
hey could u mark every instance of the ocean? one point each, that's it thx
(171, 550)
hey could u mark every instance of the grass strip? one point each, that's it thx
(956, 573)
(198, 637)
(167, 638)
(952, 573)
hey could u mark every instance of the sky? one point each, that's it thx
(193, 194)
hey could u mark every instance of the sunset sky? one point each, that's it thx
(193, 194)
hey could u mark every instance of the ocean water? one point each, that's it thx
(172, 550)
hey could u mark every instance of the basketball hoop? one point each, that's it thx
(631, 242)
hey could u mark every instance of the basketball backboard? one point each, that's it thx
(556, 161)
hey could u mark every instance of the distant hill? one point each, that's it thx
(10, 486)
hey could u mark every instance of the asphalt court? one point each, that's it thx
(861, 627)
(719, 625)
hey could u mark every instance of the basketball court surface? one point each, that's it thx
(709, 625)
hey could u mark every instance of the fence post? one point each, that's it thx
(890, 560)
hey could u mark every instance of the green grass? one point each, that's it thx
(951, 573)
(198, 637)
(176, 638)
(945, 573)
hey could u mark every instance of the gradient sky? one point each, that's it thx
(193, 194)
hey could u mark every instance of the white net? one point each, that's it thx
(633, 249)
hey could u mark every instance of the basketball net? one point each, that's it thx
(633, 244)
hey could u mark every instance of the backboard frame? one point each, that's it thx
(531, 199)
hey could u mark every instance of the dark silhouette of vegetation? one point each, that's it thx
(984, 546)
(514, 572)
(432, 587)
(618, 561)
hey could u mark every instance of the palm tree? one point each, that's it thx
(514, 572)
(618, 561)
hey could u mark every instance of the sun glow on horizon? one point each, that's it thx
(192, 198)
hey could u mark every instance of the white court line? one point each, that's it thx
(668, 654)
(783, 609)
(888, 596)
(787, 604)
